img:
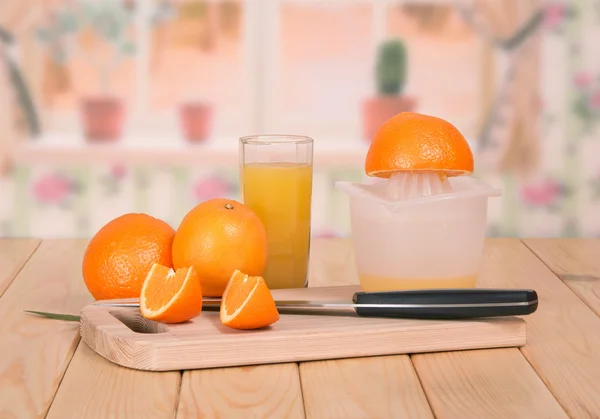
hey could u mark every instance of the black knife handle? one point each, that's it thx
(448, 303)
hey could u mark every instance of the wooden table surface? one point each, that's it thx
(45, 371)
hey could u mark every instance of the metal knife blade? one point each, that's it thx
(430, 304)
(301, 304)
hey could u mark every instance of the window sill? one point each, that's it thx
(165, 150)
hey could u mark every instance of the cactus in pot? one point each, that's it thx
(390, 79)
(391, 68)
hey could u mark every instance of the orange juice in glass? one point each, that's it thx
(276, 181)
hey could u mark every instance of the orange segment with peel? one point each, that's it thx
(170, 296)
(417, 142)
(247, 303)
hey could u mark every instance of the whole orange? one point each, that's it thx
(218, 237)
(121, 253)
(412, 141)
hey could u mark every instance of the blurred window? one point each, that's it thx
(296, 66)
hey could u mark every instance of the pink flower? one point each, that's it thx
(326, 233)
(542, 194)
(555, 15)
(595, 100)
(52, 189)
(582, 79)
(210, 188)
(118, 171)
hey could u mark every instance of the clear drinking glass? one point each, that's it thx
(276, 182)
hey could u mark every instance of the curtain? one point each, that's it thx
(5, 117)
(509, 141)
(16, 17)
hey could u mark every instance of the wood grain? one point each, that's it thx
(96, 388)
(576, 262)
(266, 391)
(494, 383)
(13, 255)
(36, 351)
(375, 387)
(563, 335)
(204, 342)
(563, 348)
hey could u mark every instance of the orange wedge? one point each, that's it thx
(170, 296)
(247, 303)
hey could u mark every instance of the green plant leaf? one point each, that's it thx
(24, 98)
(66, 22)
(59, 55)
(55, 316)
(41, 34)
(581, 109)
(524, 32)
(128, 48)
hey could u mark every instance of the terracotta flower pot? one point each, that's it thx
(377, 110)
(196, 121)
(102, 119)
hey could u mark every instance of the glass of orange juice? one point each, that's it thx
(276, 182)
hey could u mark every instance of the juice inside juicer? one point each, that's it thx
(418, 230)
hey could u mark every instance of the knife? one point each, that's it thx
(415, 304)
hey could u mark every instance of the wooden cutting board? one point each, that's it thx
(124, 337)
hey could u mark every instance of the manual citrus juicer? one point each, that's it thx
(418, 231)
(421, 224)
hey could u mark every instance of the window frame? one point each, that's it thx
(261, 20)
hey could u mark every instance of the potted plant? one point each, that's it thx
(194, 113)
(103, 114)
(195, 117)
(390, 72)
